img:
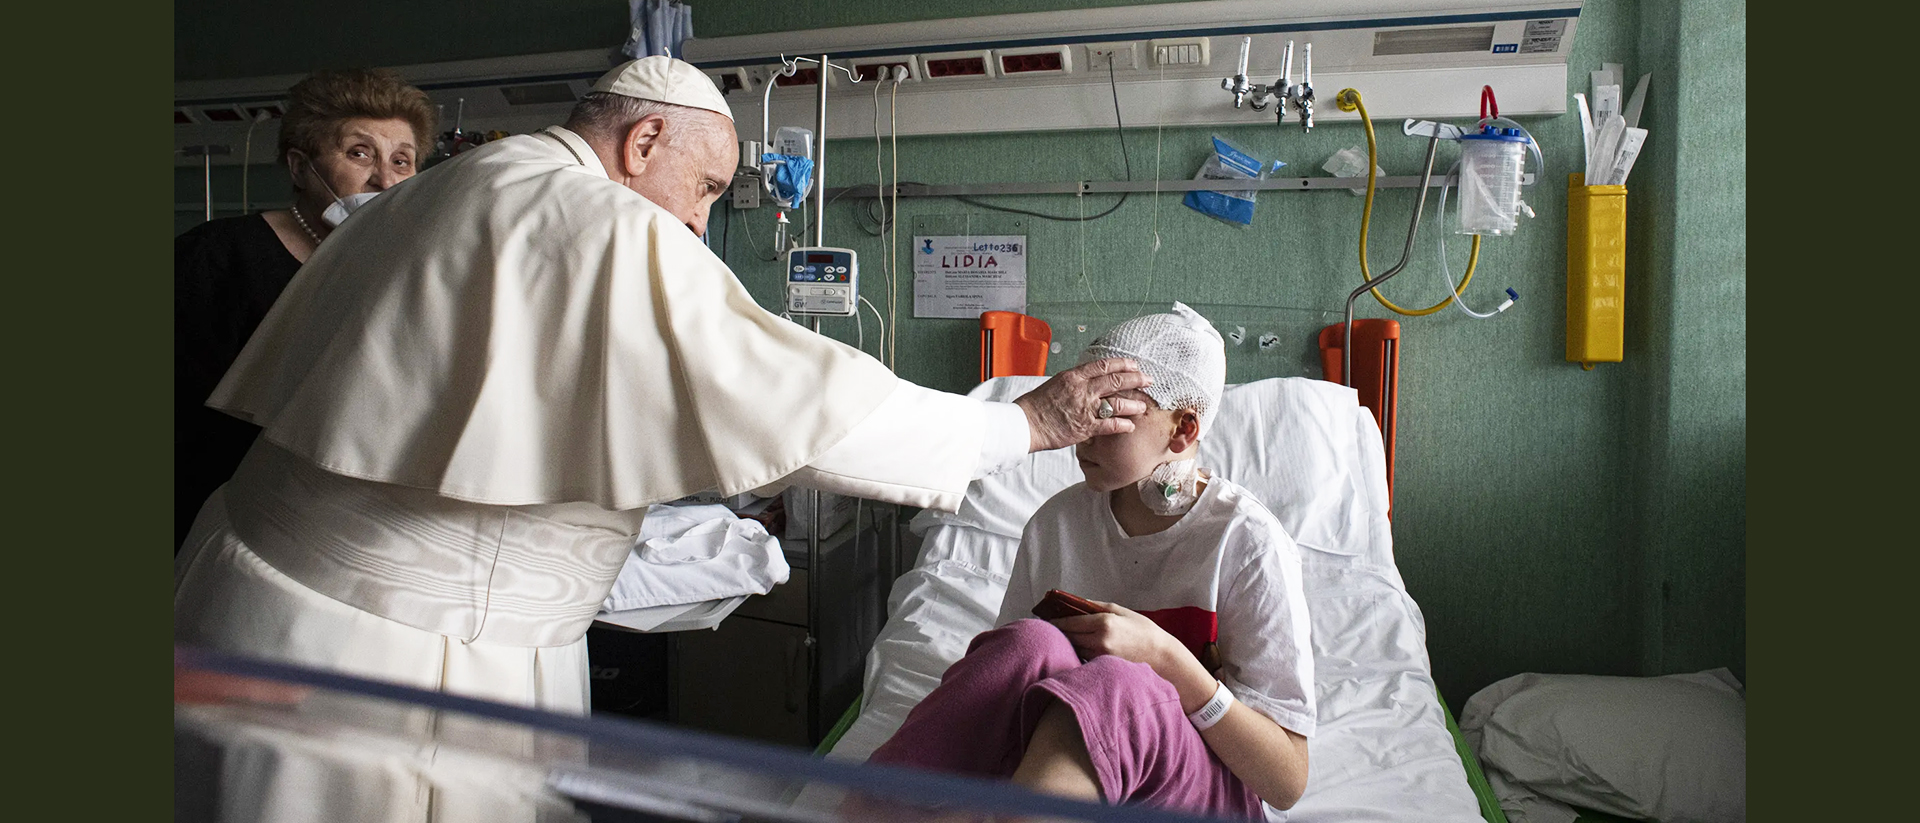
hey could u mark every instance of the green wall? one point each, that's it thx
(1546, 518)
(1690, 394)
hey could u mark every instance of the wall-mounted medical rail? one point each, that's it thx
(1070, 187)
(1347, 184)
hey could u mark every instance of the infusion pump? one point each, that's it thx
(822, 280)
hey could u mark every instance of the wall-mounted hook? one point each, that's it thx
(790, 67)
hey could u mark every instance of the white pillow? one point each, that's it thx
(1295, 443)
(1670, 748)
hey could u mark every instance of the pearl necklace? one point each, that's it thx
(303, 223)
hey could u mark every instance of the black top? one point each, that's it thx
(226, 274)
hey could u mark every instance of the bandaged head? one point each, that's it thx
(1179, 351)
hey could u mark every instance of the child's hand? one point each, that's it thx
(1123, 633)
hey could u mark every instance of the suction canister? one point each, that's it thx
(1491, 165)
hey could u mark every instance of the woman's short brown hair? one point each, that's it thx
(319, 104)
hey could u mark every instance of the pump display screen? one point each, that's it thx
(822, 280)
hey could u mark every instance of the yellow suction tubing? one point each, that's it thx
(1342, 100)
(1349, 100)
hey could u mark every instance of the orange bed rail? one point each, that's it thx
(1013, 343)
(1376, 372)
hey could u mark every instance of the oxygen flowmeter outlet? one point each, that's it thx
(822, 280)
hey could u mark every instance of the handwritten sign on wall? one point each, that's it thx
(962, 275)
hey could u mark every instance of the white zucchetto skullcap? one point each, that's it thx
(1179, 351)
(666, 80)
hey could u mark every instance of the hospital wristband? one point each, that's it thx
(1216, 708)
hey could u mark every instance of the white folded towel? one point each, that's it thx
(693, 554)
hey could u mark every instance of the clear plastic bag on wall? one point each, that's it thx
(1229, 162)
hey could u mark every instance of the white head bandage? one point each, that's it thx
(1179, 351)
(666, 80)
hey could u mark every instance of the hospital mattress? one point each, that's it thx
(1383, 751)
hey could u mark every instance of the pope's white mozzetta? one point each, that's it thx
(520, 330)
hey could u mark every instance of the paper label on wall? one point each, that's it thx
(962, 275)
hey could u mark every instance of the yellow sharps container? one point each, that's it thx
(1596, 272)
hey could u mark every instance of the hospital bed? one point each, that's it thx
(1387, 748)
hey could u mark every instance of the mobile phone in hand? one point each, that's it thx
(1057, 604)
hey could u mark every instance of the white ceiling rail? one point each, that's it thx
(1051, 71)
(1037, 71)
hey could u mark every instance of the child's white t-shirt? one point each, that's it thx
(1227, 564)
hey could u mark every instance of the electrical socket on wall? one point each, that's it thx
(1122, 56)
(1186, 52)
(746, 192)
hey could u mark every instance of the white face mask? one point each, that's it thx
(344, 207)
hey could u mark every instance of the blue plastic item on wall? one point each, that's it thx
(1229, 162)
(791, 174)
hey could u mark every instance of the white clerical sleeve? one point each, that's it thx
(921, 447)
(1008, 439)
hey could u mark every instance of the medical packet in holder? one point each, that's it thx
(1229, 162)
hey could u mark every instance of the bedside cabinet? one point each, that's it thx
(777, 670)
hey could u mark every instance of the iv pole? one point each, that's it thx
(814, 569)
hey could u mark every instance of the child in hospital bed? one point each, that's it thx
(1193, 689)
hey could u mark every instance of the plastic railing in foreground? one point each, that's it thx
(265, 741)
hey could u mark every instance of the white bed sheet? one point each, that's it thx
(1382, 752)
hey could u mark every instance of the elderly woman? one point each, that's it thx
(347, 135)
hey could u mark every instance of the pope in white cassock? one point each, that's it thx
(474, 389)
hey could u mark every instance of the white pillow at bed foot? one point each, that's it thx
(1670, 748)
(1525, 806)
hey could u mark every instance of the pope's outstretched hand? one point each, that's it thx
(1067, 409)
